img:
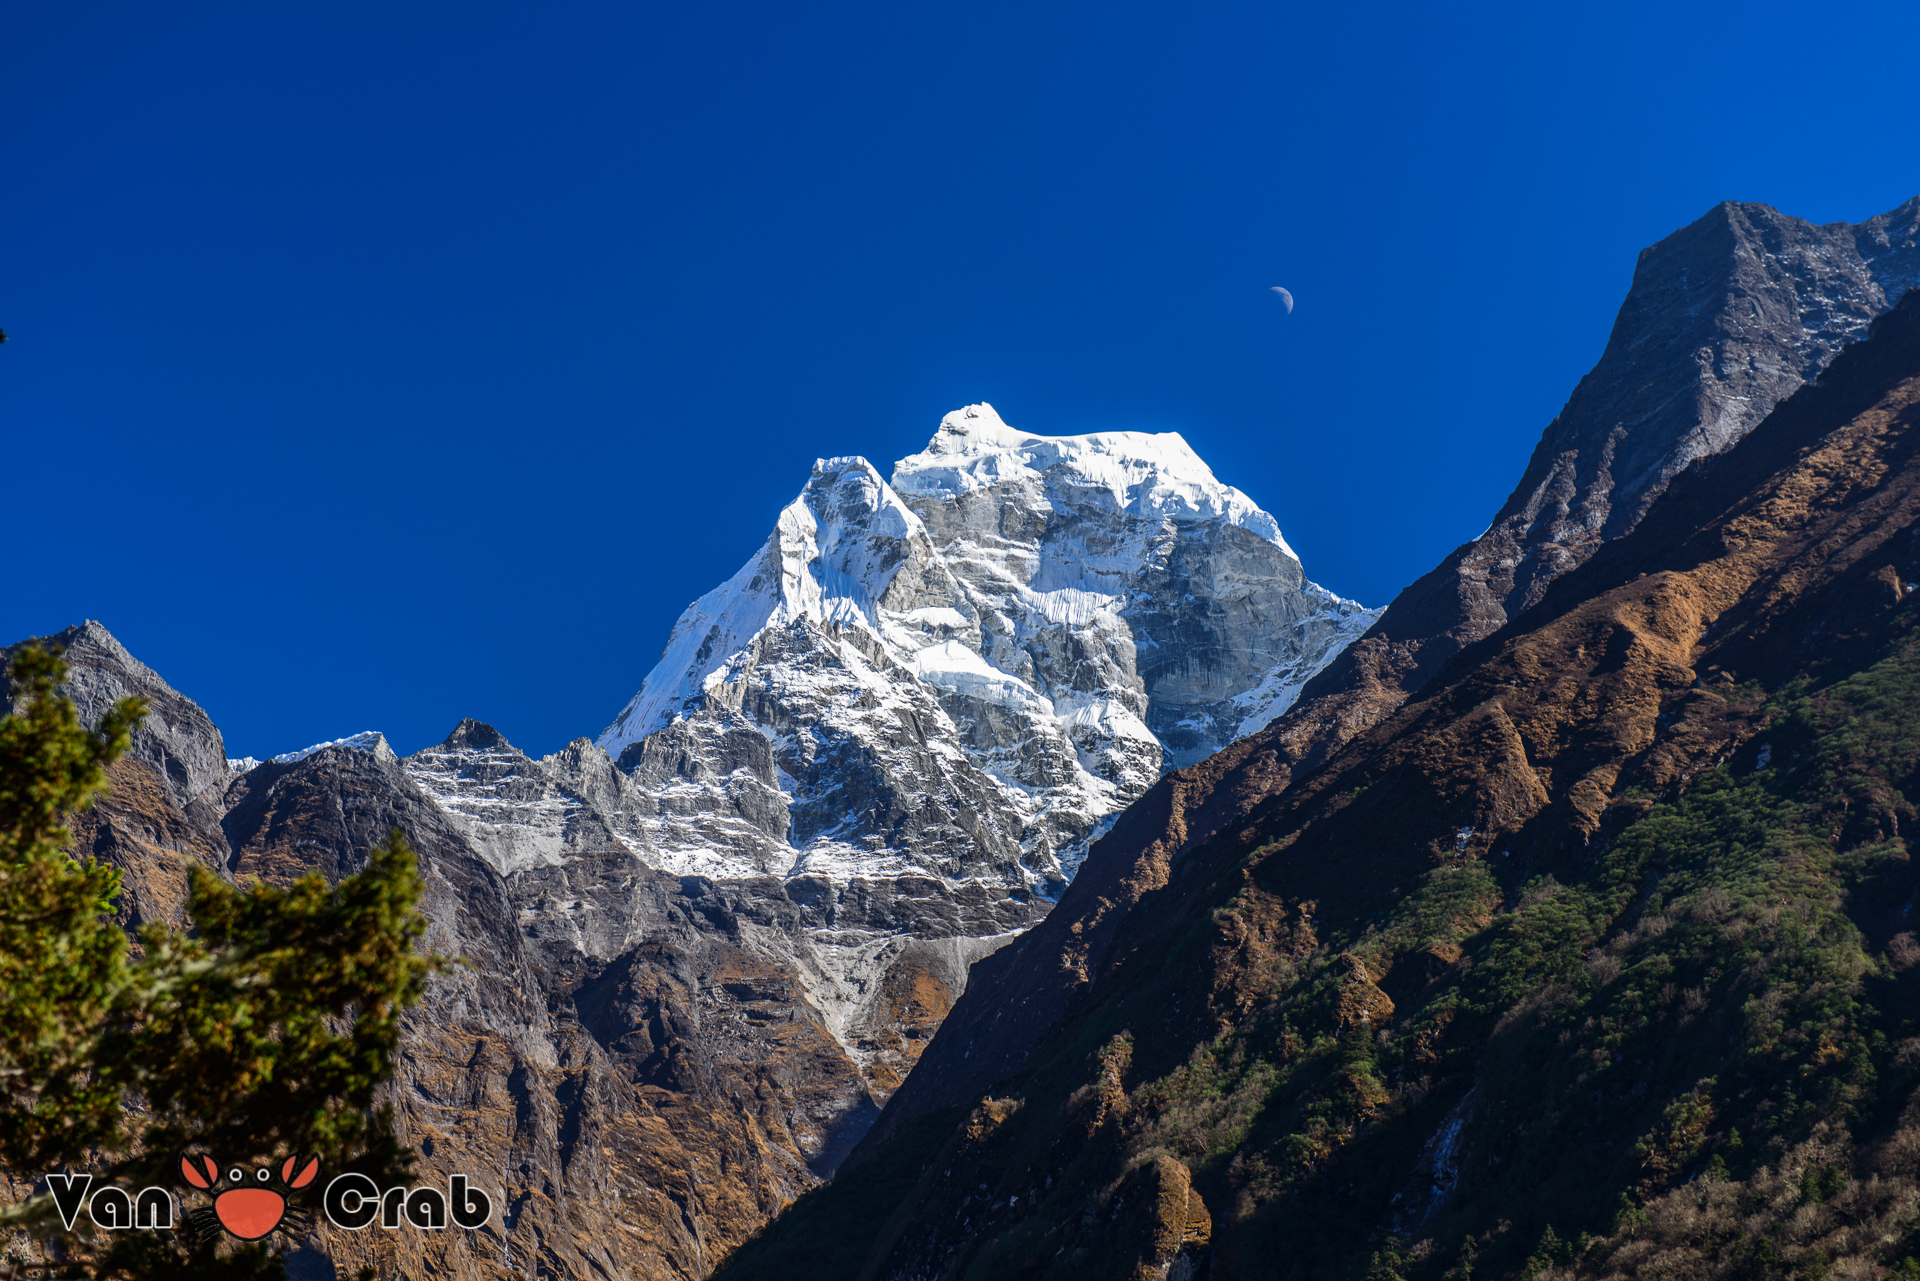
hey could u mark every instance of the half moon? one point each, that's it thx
(1285, 297)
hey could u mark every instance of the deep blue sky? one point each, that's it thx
(376, 364)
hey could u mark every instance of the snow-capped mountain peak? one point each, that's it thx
(1145, 474)
(371, 740)
(965, 670)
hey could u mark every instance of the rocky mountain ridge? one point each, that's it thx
(1725, 318)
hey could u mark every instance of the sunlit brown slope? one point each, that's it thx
(1349, 1027)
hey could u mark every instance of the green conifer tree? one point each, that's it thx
(262, 1033)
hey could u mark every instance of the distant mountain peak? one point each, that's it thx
(371, 740)
(475, 734)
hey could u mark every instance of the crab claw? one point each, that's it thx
(307, 1173)
(194, 1176)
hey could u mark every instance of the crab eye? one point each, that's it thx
(263, 1175)
(236, 1175)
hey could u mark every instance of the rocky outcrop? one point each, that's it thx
(1725, 318)
(163, 809)
(176, 741)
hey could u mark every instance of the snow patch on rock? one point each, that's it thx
(365, 741)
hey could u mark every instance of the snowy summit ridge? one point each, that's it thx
(1146, 474)
(966, 670)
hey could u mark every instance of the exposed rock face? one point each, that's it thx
(648, 1064)
(520, 813)
(1725, 318)
(869, 957)
(1118, 578)
(177, 740)
(620, 1059)
(167, 794)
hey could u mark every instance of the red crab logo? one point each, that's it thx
(248, 1208)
